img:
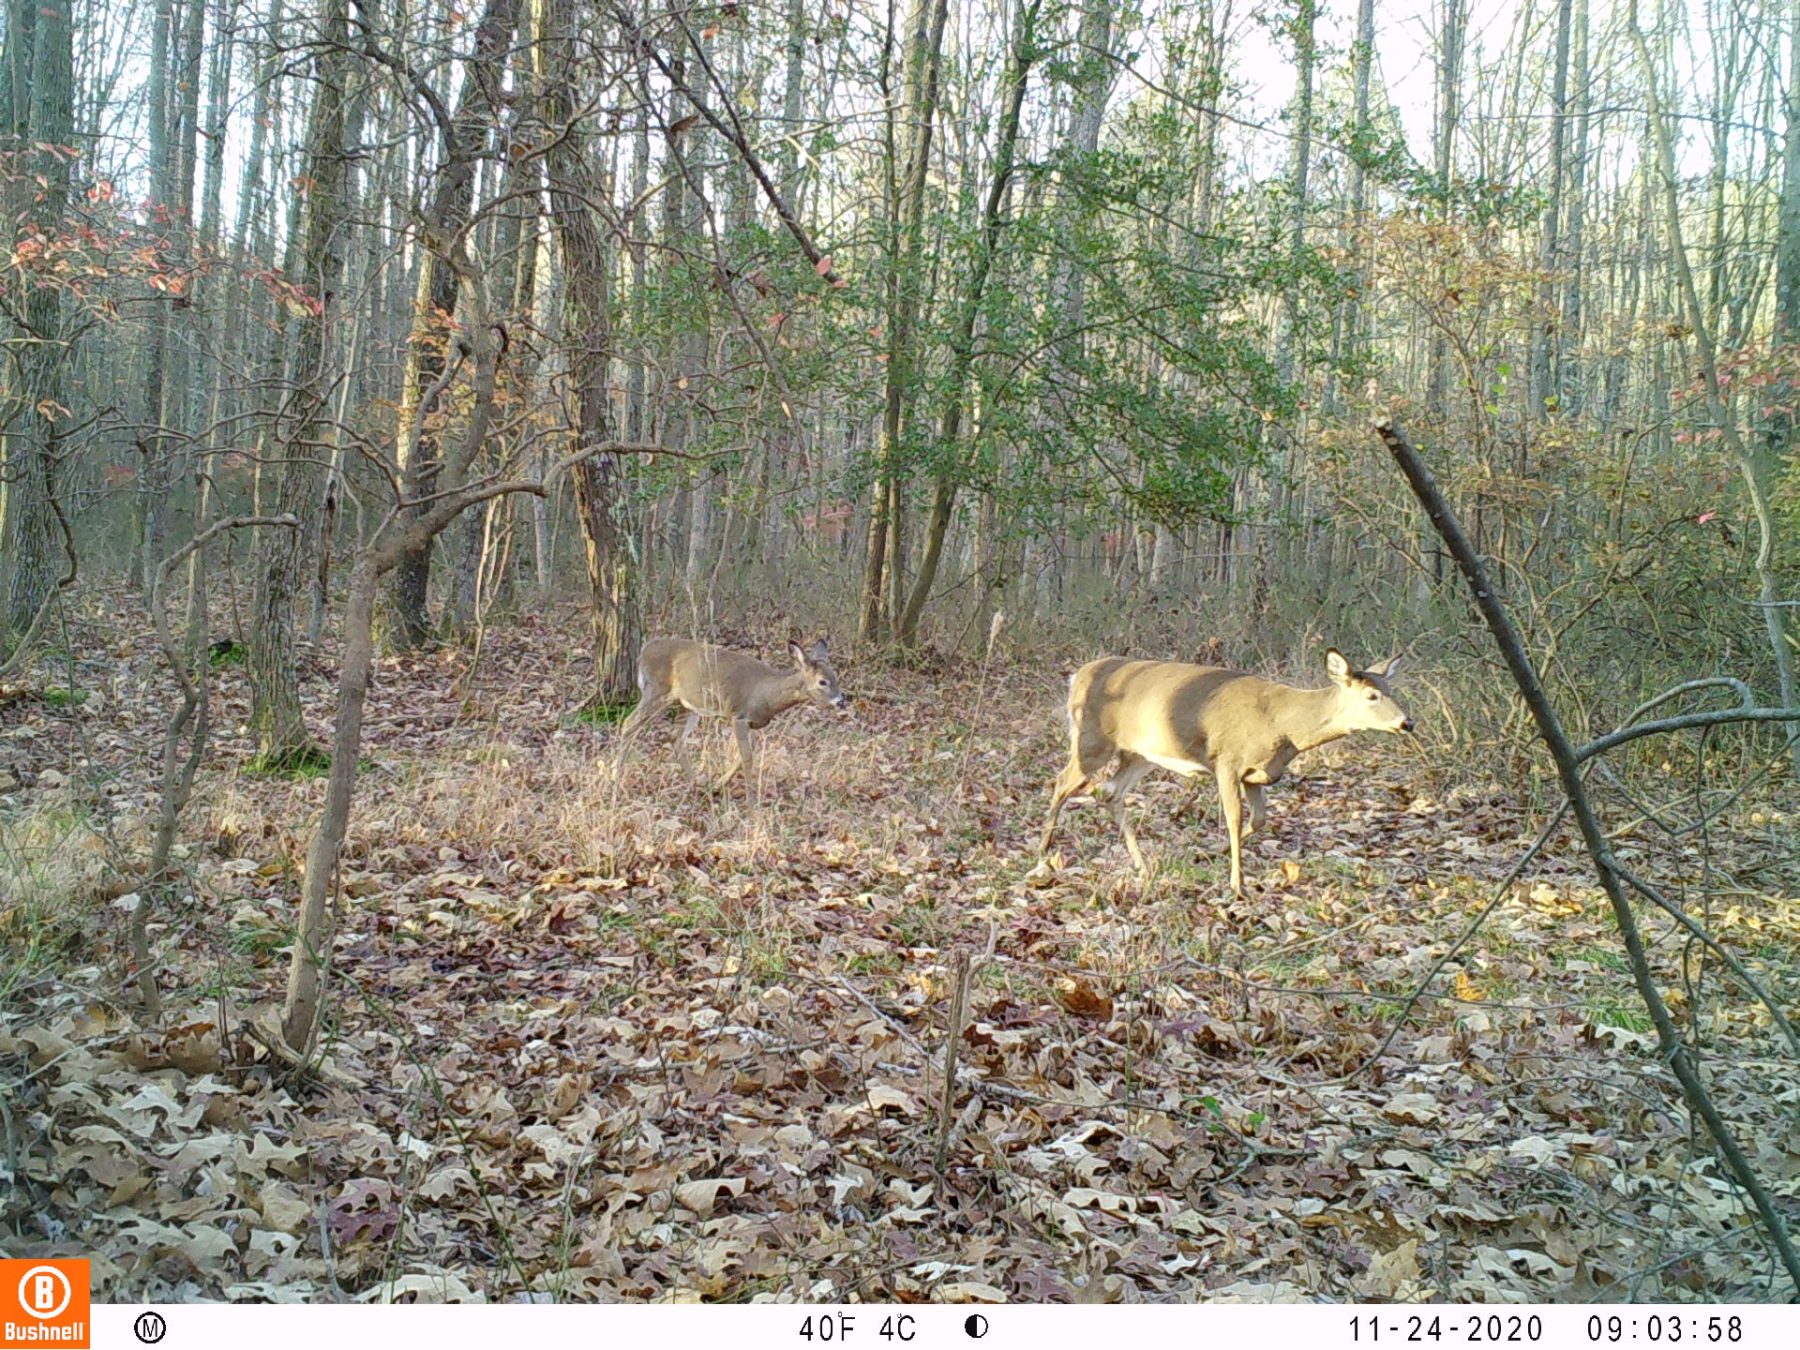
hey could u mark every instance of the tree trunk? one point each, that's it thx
(1449, 109)
(587, 303)
(275, 715)
(924, 47)
(1306, 57)
(1571, 382)
(313, 934)
(1362, 59)
(1787, 252)
(948, 454)
(1546, 340)
(417, 450)
(1093, 86)
(37, 92)
(152, 500)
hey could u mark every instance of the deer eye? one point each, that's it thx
(1374, 696)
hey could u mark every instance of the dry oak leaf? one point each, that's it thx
(283, 1209)
(441, 1287)
(1120, 1206)
(1414, 1107)
(882, 1095)
(700, 1196)
(1081, 999)
(970, 1291)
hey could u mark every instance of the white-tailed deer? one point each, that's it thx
(716, 682)
(1242, 729)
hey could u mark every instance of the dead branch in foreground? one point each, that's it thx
(1612, 877)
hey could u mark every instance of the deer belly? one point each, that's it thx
(1176, 763)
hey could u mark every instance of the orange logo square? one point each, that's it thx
(43, 1303)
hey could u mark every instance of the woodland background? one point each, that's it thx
(377, 375)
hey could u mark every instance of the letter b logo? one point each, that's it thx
(48, 1292)
(44, 1303)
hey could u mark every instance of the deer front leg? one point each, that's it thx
(684, 746)
(1254, 796)
(746, 760)
(1114, 789)
(1232, 803)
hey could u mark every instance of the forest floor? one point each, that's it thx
(608, 1036)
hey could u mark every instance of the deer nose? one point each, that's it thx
(1406, 724)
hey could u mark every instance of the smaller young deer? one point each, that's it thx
(715, 682)
(1243, 729)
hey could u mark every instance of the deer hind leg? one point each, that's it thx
(652, 702)
(1086, 758)
(1132, 768)
(651, 705)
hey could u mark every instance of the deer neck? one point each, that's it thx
(784, 692)
(1310, 720)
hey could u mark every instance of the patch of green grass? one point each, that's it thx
(872, 963)
(1603, 957)
(919, 925)
(661, 948)
(255, 942)
(1615, 1013)
(225, 653)
(766, 962)
(227, 979)
(605, 714)
(51, 864)
(609, 998)
(36, 938)
(1498, 989)
(973, 835)
(307, 762)
(59, 696)
(701, 911)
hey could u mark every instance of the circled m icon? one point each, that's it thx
(44, 1291)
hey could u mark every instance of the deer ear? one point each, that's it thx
(1337, 667)
(798, 652)
(1393, 664)
(817, 651)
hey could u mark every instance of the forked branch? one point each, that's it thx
(1672, 1048)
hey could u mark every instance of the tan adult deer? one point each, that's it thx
(716, 682)
(1242, 729)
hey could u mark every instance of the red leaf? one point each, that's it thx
(823, 266)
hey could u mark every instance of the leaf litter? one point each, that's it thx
(599, 1035)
